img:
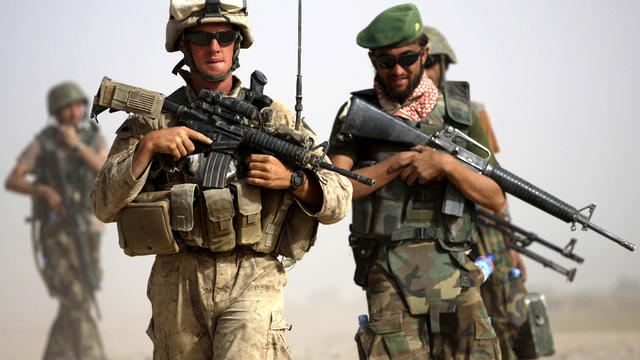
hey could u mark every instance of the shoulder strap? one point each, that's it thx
(179, 96)
(458, 103)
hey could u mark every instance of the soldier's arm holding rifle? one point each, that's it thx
(16, 181)
(433, 165)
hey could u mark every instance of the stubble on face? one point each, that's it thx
(402, 94)
(399, 82)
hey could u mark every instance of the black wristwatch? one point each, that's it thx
(297, 179)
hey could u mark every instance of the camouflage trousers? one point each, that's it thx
(217, 306)
(393, 333)
(74, 334)
(503, 295)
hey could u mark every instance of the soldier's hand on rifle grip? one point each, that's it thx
(269, 172)
(400, 161)
(175, 141)
(426, 166)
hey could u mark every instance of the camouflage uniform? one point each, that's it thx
(417, 284)
(502, 293)
(214, 304)
(74, 334)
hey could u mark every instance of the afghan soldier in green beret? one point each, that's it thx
(216, 286)
(65, 157)
(422, 290)
(503, 293)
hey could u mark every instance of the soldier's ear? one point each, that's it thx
(425, 54)
(373, 61)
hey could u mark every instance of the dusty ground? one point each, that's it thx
(604, 326)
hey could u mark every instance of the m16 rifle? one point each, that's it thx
(366, 121)
(519, 239)
(231, 123)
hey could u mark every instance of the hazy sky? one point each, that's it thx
(559, 80)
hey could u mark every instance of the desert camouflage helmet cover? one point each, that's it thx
(187, 13)
(438, 44)
(64, 94)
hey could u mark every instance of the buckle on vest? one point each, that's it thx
(422, 233)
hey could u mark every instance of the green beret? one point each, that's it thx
(397, 26)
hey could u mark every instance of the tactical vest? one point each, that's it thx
(64, 170)
(398, 212)
(182, 212)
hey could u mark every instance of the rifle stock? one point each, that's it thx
(366, 121)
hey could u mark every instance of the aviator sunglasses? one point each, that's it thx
(202, 38)
(405, 59)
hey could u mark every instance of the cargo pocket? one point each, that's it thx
(390, 338)
(248, 223)
(220, 233)
(277, 347)
(484, 330)
(144, 226)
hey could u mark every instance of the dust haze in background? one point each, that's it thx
(559, 82)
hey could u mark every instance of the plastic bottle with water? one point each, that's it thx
(485, 263)
(363, 321)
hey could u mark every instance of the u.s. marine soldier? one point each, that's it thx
(65, 157)
(422, 291)
(220, 296)
(503, 294)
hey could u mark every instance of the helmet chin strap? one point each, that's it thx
(188, 60)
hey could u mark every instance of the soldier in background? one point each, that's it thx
(65, 157)
(422, 290)
(503, 293)
(216, 290)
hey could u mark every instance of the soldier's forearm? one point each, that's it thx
(475, 187)
(93, 159)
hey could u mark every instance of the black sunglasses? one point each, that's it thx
(405, 59)
(202, 38)
(431, 61)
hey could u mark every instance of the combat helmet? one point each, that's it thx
(64, 94)
(438, 45)
(186, 13)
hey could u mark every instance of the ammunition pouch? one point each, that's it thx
(144, 226)
(163, 222)
(219, 215)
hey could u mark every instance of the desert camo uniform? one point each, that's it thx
(74, 334)
(422, 290)
(219, 295)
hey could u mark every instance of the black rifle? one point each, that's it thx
(519, 239)
(526, 238)
(229, 122)
(366, 121)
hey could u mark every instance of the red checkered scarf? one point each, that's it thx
(421, 102)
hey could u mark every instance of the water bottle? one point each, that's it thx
(515, 273)
(363, 321)
(486, 265)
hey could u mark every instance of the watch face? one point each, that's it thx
(296, 179)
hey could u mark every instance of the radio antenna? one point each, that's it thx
(299, 76)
